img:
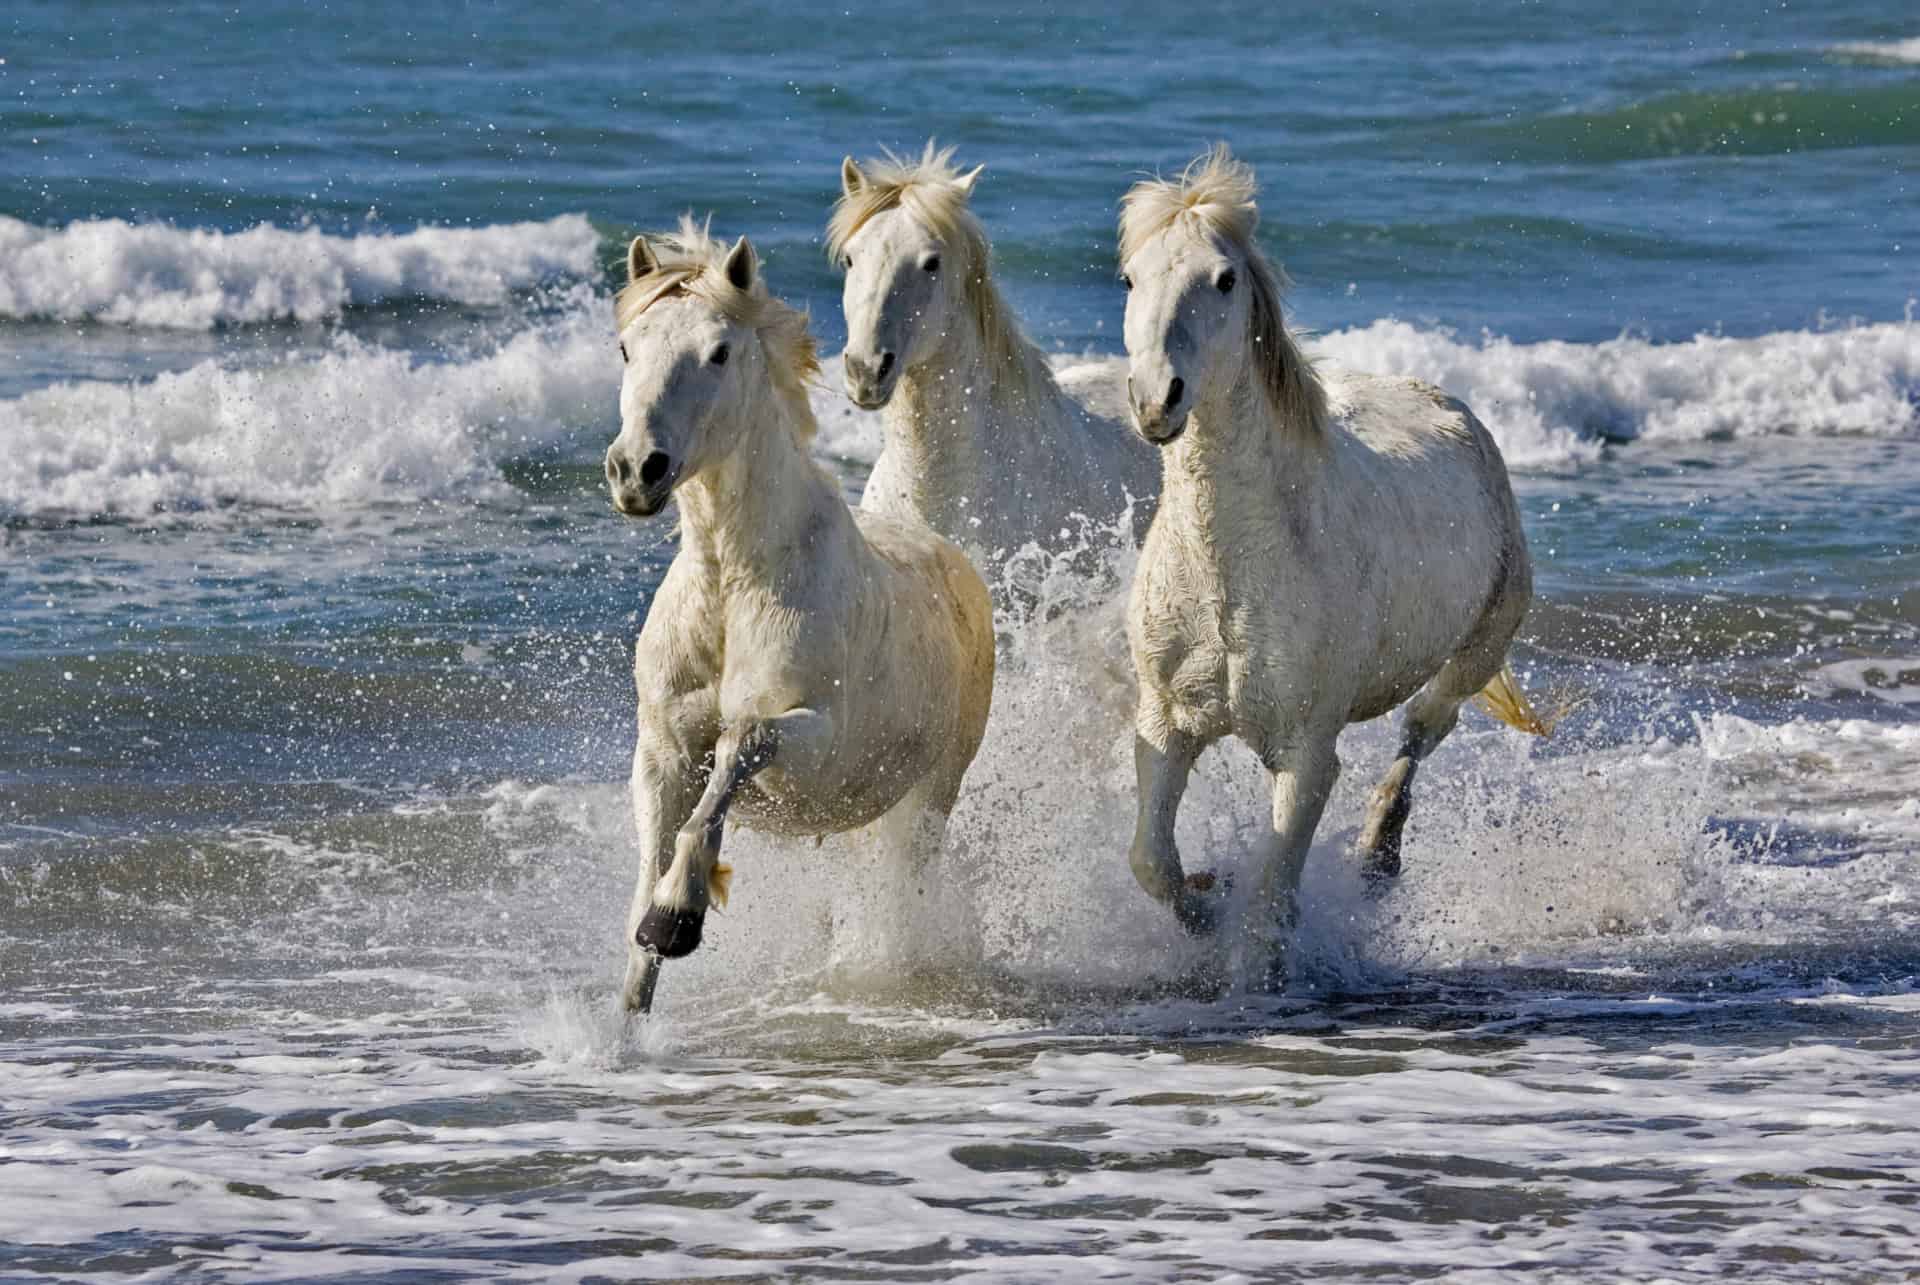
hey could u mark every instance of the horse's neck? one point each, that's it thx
(748, 518)
(938, 421)
(1242, 476)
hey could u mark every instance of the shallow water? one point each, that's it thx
(314, 707)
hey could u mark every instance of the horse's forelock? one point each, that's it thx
(932, 190)
(1214, 197)
(689, 261)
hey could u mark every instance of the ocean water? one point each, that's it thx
(316, 632)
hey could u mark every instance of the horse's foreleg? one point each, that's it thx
(665, 790)
(1303, 776)
(1428, 720)
(798, 741)
(1160, 774)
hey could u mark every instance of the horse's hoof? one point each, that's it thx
(1200, 901)
(1379, 872)
(670, 934)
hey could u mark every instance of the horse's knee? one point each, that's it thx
(668, 932)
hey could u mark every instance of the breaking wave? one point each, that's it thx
(365, 423)
(152, 274)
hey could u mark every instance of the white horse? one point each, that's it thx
(1326, 547)
(982, 444)
(819, 671)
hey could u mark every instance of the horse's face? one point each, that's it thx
(684, 394)
(901, 298)
(1187, 320)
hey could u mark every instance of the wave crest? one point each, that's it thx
(1553, 401)
(152, 274)
(365, 424)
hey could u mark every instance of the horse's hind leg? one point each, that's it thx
(1431, 715)
(892, 922)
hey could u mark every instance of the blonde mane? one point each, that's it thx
(691, 262)
(1213, 197)
(931, 190)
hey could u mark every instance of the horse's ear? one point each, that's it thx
(851, 179)
(966, 181)
(741, 265)
(640, 259)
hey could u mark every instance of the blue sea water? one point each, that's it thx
(315, 626)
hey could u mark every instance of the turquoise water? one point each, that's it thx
(315, 628)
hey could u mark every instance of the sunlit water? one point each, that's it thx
(314, 706)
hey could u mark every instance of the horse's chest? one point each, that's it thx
(1213, 643)
(1194, 649)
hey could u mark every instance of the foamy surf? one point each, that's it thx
(360, 424)
(364, 423)
(1893, 53)
(153, 274)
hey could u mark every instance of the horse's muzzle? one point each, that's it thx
(1159, 418)
(1161, 429)
(870, 384)
(642, 492)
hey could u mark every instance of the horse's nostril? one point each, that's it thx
(654, 467)
(886, 364)
(1177, 387)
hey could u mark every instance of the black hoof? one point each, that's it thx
(1200, 901)
(1379, 872)
(670, 934)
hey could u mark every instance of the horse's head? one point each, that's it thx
(1202, 300)
(700, 338)
(908, 245)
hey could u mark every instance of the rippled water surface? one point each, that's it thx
(315, 632)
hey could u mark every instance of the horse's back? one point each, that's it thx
(1098, 385)
(1424, 483)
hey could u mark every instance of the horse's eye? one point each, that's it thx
(623, 351)
(719, 357)
(932, 264)
(846, 261)
(1126, 282)
(1224, 282)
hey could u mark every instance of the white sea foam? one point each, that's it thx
(468, 1101)
(152, 274)
(365, 423)
(360, 423)
(1887, 52)
(1551, 401)
(1894, 679)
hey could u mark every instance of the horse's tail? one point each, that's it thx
(1504, 699)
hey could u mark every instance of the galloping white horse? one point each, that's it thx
(982, 444)
(1327, 546)
(817, 671)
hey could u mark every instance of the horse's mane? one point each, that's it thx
(1213, 197)
(690, 261)
(930, 189)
